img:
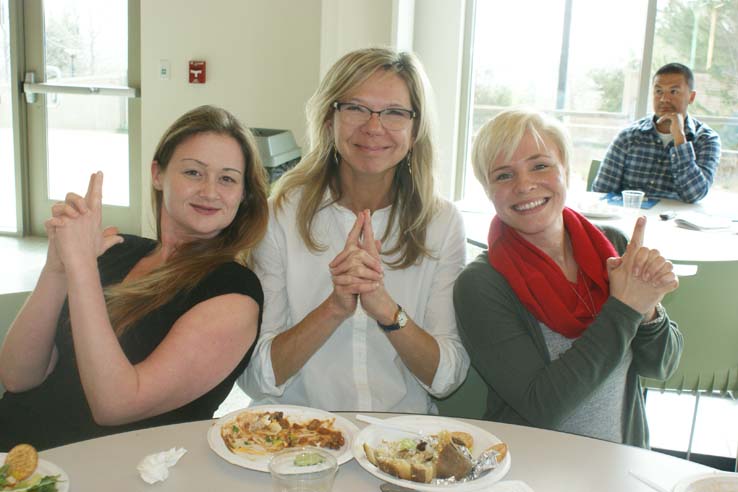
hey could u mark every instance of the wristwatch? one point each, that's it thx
(400, 320)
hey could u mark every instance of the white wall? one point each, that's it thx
(265, 58)
(348, 25)
(438, 42)
(263, 62)
(431, 28)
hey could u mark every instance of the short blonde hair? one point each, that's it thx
(500, 137)
(415, 200)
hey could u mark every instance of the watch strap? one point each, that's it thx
(394, 326)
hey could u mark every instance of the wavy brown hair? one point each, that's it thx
(130, 302)
(414, 202)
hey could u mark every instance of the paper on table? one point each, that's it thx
(701, 222)
(155, 467)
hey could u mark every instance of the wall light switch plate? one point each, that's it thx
(165, 70)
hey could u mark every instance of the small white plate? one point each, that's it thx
(429, 424)
(291, 412)
(709, 482)
(45, 468)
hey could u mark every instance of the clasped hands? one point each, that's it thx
(642, 276)
(74, 229)
(358, 275)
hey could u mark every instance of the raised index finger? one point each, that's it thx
(93, 197)
(368, 243)
(353, 235)
(639, 231)
(352, 241)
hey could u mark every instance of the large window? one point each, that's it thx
(86, 43)
(583, 60)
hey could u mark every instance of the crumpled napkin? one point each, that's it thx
(155, 467)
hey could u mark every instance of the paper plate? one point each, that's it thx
(45, 468)
(291, 412)
(429, 424)
(709, 482)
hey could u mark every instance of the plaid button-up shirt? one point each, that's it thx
(638, 160)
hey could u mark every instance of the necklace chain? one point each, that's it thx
(590, 307)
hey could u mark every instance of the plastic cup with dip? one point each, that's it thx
(304, 469)
(632, 199)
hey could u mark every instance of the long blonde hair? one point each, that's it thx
(128, 303)
(414, 200)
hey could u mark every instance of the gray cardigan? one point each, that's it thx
(507, 348)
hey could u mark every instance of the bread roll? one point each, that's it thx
(395, 467)
(369, 452)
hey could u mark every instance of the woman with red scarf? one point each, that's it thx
(557, 323)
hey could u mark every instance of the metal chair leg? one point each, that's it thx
(694, 423)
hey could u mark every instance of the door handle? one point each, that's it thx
(31, 88)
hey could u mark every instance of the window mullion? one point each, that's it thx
(645, 80)
(564, 57)
(17, 68)
(466, 103)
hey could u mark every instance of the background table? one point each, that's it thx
(675, 243)
(547, 461)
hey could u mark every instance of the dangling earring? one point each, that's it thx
(335, 156)
(408, 161)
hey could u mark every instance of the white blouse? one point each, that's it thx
(357, 368)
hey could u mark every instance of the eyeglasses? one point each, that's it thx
(391, 118)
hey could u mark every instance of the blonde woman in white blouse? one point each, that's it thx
(360, 256)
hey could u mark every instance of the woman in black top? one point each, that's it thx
(151, 332)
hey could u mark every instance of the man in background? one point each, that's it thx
(668, 154)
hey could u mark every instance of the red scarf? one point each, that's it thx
(539, 282)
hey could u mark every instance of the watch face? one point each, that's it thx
(402, 318)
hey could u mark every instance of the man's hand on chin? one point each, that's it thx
(676, 126)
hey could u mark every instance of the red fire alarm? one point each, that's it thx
(197, 72)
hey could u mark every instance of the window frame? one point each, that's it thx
(466, 104)
(19, 10)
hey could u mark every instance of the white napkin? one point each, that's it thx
(155, 467)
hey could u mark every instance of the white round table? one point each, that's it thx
(547, 461)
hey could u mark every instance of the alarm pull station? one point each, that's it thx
(197, 72)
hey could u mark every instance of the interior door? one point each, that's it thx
(9, 211)
(82, 105)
